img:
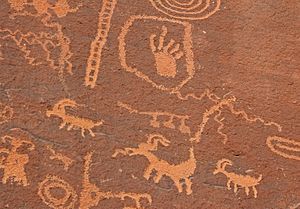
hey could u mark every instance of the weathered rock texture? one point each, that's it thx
(157, 104)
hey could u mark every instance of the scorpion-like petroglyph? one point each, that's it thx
(183, 171)
(74, 122)
(245, 181)
(91, 194)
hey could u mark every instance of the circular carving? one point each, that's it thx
(187, 9)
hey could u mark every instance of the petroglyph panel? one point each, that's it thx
(151, 104)
(171, 60)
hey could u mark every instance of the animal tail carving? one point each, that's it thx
(155, 138)
(284, 147)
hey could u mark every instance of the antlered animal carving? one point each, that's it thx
(245, 181)
(182, 171)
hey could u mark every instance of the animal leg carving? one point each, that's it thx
(228, 184)
(254, 191)
(247, 191)
(235, 188)
(188, 184)
(148, 172)
(62, 125)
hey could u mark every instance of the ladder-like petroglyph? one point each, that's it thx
(67, 162)
(244, 181)
(94, 60)
(160, 52)
(91, 194)
(166, 55)
(180, 174)
(284, 147)
(156, 122)
(73, 122)
(50, 183)
(187, 10)
(13, 162)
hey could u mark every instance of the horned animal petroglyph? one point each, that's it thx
(245, 181)
(183, 171)
(59, 110)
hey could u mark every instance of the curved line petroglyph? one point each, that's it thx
(183, 171)
(91, 194)
(155, 121)
(53, 182)
(160, 57)
(286, 148)
(245, 181)
(67, 162)
(43, 10)
(192, 10)
(74, 122)
(13, 163)
(94, 60)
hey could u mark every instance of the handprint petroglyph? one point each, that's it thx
(245, 181)
(166, 55)
(73, 122)
(180, 174)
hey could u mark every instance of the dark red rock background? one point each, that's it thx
(248, 50)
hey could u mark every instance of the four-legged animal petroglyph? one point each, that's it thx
(245, 181)
(13, 162)
(154, 122)
(60, 157)
(166, 56)
(91, 194)
(94, 60)
(67, 201)
(183, 171)
(74, 122)
(287, 148)
(187, 10)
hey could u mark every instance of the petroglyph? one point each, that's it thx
(12, 162)
(286, 148)
(6, 113)
(155, 121)
(74, 122)
(61, 7)
(180, 174)
(165, 55)
(91, 194)
(46, 192)
(43, 10)
(94, 60)
(161, 53)
(216, 110)
(67, 162)
(187, 10)
(245, 181)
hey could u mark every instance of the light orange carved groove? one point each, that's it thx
(94, 60)
(12, 162)
(59, 110)
(244, 181)
(91, 194)
(183, 171)
(284, 147)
